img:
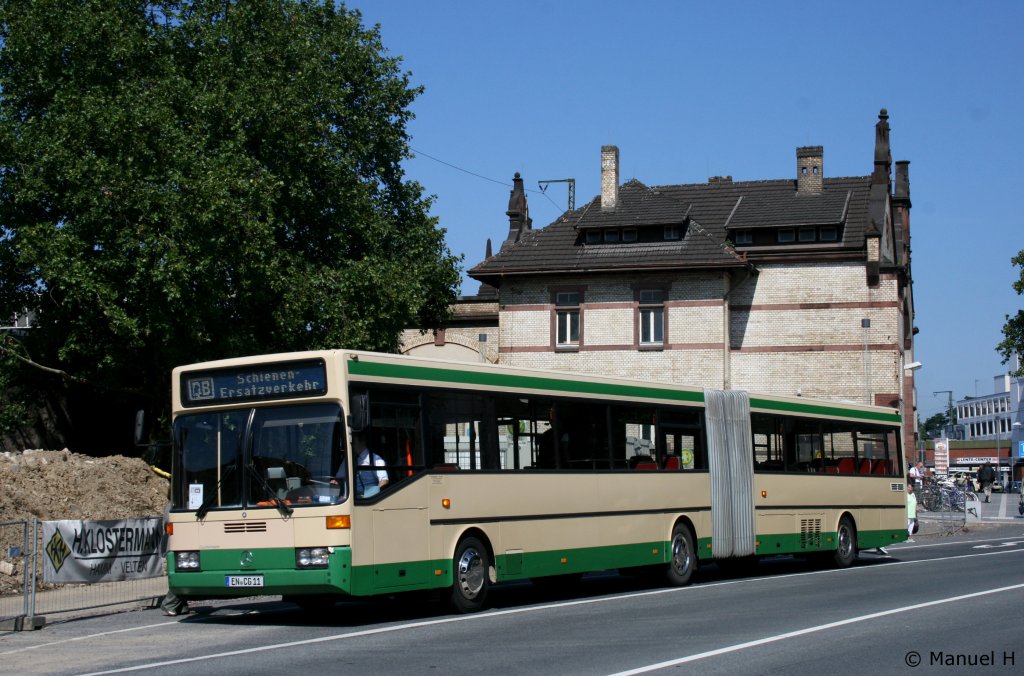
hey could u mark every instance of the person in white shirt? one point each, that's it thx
(369, 482)
(916, 475)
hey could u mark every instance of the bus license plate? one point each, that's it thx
(243, 581)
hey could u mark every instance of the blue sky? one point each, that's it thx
(688, 90)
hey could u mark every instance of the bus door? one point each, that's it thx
(730, 454)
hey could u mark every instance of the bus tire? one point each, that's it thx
(682, 557)
(846, 544)
(470, 576)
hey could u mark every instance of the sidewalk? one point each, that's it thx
(1002, 508)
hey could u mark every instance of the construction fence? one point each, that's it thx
(27, 599)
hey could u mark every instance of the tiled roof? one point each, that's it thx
(773, 210)
(637, 205)
(709, 211)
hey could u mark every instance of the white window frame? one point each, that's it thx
(651, 316)
(567, 318)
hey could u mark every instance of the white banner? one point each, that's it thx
(975, 461)
(102, 551)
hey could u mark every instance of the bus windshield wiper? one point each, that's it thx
(208, 502)
(285, 510)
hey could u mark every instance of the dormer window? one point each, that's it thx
(593, 236)
(828, 233)
(629, 235)
(786, 235)
(611, 236)
(807, 234)
(673, 232)
(743, 237)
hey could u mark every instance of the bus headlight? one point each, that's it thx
(186, 560)
(312, 557)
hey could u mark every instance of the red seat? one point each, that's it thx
(865, 466)
(880, 467)
(646, 465)
(672, 462)
(845, 466)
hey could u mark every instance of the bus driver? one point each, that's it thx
(368, 481)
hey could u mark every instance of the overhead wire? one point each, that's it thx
(481, 176)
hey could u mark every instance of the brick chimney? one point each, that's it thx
(609, 176)
(809, 168)
(903, 181)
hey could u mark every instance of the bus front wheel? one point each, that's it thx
(846, 544)
(683, 559)
(470, 573)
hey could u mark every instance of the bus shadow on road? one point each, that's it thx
(421, 606)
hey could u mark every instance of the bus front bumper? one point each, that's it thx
(237, 573)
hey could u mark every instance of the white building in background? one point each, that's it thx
(996, 416)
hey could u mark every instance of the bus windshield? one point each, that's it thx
(278, 456)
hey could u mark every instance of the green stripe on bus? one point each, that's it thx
(280, 576)
(823, 409)
(797, 543)
(497, 379)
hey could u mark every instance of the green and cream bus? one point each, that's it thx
(476, 474)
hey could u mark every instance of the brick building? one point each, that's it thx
(795, 286)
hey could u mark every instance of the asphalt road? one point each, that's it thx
(944, 604)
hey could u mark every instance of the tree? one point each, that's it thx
(185, 180)
(1013, 329)
(935, 424)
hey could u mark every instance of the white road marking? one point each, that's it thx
(810, 630)
(550, 606)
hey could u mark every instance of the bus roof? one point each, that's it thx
(431, 372)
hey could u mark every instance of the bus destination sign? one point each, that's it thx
(254, 383)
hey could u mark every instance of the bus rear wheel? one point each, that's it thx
(470, 573)
(683, 559)
(846, 544)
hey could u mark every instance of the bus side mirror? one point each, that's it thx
(359, 417)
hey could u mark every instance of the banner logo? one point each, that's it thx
(57, 550)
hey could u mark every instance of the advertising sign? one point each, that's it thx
(977, 461)
(102, 551)
(941, 456)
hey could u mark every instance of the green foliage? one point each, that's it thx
(1013, 329)
(934, 423)
(189, 180)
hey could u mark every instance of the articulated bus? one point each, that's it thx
(475, 474)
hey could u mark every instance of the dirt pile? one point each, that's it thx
(54, 485)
